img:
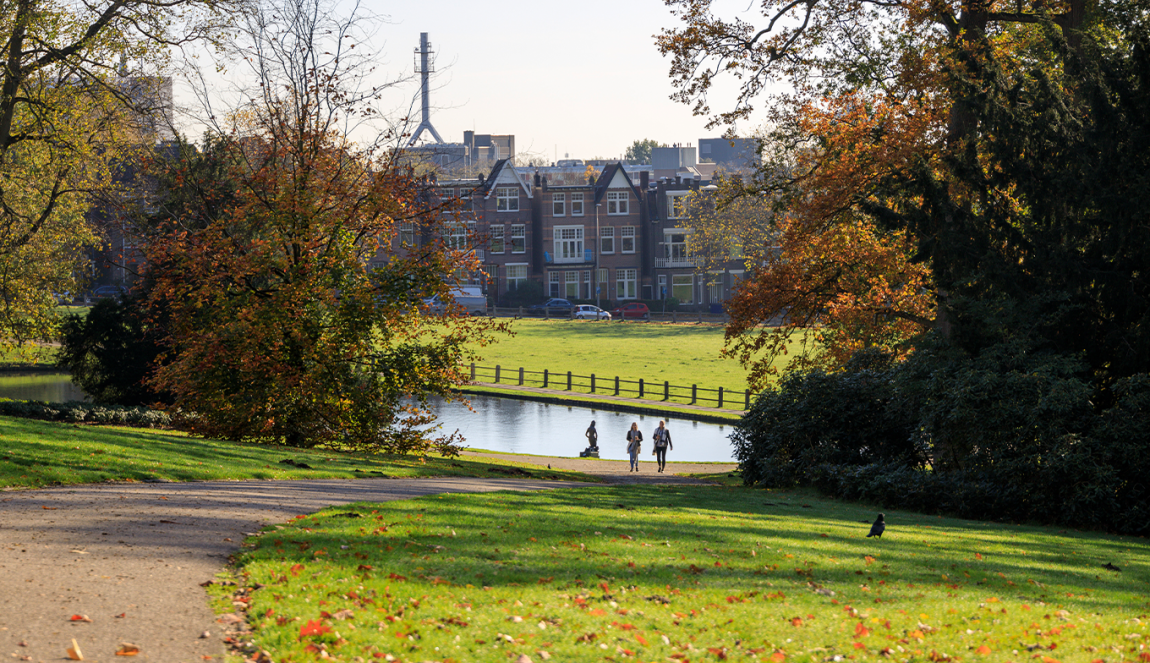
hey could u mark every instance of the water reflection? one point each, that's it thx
(528, 427)
(49, 387)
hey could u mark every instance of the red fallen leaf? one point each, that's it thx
(778, 657)
(128, 649)
(313, 627)
(325, 614)
(859, 645)
(719, 653)
(269, 613)
(121, 615)
(605, 588)
(641, 639)
(280, 621)
(396, 577)
(978, 555)
(296, 569)
(982, 651)
(80, 618)
(797, 621)
(311, 648)
(49, 508)
(363, 567)
(597, 612)
(861, 631)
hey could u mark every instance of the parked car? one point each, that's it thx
(106, 291)
(633, 310)
(470, 299)
(589, 312)
(554, 307)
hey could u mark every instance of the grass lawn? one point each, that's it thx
(34, 454)
(684, 574)
(682, 354)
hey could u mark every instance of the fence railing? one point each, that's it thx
(667, 316)
(613, 386)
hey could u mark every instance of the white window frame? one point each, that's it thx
(576, 204)
(519, 232)
(627, 233)
(554, 282)
(674, 209)
(407, 234)
(516, 274)
(607, 240)
(567, 243)
(455, 235)
(507, 199)
(604, 277)
(626, 283)
(570, 285)
(558, 204)
(617, 203)
(681, 281)
(497, 243)
(714, 287)
(675, 251)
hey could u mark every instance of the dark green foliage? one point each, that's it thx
(77, 411)
(529, 292)
(110, 352)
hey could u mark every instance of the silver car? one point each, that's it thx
(589, 312)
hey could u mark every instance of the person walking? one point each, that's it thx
(662, 439)
(634, 445)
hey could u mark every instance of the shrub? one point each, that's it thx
(77, 411)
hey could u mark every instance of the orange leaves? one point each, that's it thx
(861, 631)
(982, 650)
(313, 628)
(796, 621)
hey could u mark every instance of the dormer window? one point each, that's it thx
(507, 199)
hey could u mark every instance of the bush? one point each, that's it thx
(78, 411)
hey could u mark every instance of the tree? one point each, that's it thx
(292, 319)
(640, 150)
(876, 92)
(67, 114)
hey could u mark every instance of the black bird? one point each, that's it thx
(548, 465)
(1110, 567)
(878, 527)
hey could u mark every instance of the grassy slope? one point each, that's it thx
(666, 573)
(38, 453)
(682, 354)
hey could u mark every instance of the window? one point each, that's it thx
(569, 244)
(407, 234)
(662, 286)
(554, 284)
(455, 236)
(519, 238)
(606, 240)
(616, 202)
(676, 205)
(603, 275)
(627, 239)
(572, 282)
(683, 288)
(675, 246)
(558, 204)
(576, 204)
(446, 194)
(587, 284)
(625, 282)
(497, 245)
(516, 276)
(507, 199)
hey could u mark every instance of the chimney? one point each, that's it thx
(544, 182)
(537, 178)
(643, 181)
(480, 178)
(678, 179)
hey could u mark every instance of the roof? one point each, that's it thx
(608, 176)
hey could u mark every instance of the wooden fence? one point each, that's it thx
(614, 386)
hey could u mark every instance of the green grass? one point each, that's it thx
(686, 574)
(34, 454)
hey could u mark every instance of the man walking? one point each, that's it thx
(662, 439)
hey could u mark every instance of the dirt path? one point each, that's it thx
(616, 471)
(131, 557)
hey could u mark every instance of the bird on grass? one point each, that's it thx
(878, 527)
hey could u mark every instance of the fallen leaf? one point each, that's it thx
(313, 627)
(49, 508)
(983, 650)
(74, 652)
(523, 658)
(127, 649)
(80, 618)
(778, 657)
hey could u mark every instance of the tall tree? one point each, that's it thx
(640, 150)
(66, 114)
(292, 321)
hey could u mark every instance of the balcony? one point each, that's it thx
(552, 259)
(663, 263)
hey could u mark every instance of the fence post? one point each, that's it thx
(700, 316)
(568, 380)
(521, 311)
(720, 405)
(545, 378)
(616, 385)
(640, 387)
(674, 317)
(473, 371)
(694, 393)
(747, 406)
(520, 376)
(666, 390)
(497, 374)
(592, 383)
(546, 312)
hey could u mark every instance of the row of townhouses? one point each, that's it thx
(608, 236)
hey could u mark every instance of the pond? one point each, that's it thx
(496, 424)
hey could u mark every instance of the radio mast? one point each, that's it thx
(424, 68)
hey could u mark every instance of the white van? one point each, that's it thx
(470, 298)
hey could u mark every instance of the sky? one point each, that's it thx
(573, 80)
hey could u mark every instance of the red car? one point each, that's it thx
(632, 310)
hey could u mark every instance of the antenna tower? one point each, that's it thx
(424, 68)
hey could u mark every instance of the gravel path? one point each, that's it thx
(131, 557)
